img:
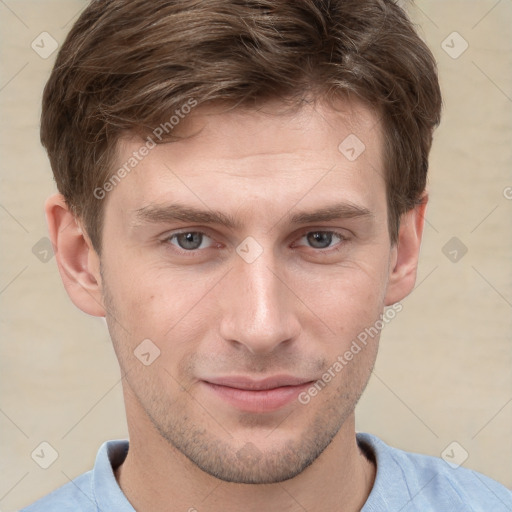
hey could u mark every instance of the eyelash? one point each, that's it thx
(193, 252)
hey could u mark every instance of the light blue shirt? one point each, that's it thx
(404, 482)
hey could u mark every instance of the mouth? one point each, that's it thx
(257, 396)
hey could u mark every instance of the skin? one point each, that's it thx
(293, 310)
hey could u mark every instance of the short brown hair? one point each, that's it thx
(127, 65)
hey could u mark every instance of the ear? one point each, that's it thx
(78, 262)
(405, 253)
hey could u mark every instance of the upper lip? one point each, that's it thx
(246, 383)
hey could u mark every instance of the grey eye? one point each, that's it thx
(189, 241)
(321, 239)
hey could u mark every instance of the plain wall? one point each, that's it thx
(444, 371)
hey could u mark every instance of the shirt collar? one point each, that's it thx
(105, 489)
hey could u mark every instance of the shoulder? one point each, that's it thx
(412, 481)
(75, 496)
(92, 491)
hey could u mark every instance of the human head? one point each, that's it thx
(258, 147)
(129, 66)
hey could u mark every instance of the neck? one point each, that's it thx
(155, 477)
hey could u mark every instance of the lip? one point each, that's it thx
(257, 396)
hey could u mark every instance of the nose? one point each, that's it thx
(259, 307)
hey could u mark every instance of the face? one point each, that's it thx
(245, 306)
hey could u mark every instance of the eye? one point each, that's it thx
(189, 240)
(322, 239)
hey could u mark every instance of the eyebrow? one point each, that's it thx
(159, 214)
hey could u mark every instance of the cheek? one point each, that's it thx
(349, 296)
(165, 307)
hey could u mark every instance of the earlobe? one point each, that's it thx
(406, 253)
(77, 260)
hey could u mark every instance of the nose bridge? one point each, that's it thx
(258, 307)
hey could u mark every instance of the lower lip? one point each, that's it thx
(259, 401)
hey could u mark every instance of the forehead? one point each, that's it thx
(273, 155)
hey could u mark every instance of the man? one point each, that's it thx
(241, 196)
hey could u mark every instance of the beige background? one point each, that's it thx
(444, 372)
